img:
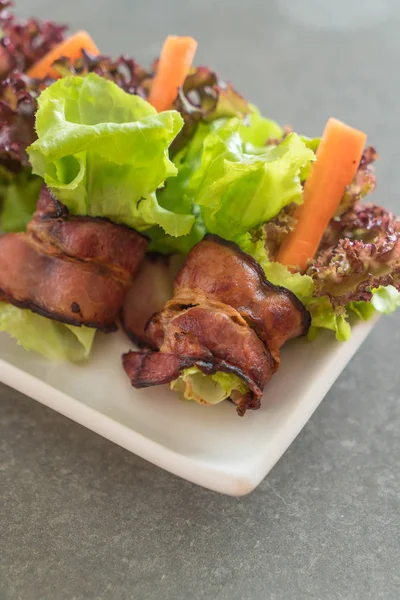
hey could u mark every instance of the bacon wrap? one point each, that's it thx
(76, 270)
(224, 316)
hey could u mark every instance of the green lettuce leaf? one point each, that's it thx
(363, 310)
(178, 193)
(385, 299)
(207, 389)
(19, 193)
(323, 316)
(178, 196)
(104, 152)
(238, 191)
(55, 341)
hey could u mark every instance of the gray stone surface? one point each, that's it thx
(85, 519)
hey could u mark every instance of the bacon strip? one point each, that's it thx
(73, 269)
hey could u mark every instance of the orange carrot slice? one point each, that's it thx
(71, 48)
(338, 157)
(175, 61)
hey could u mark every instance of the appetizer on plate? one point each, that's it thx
(162, 202)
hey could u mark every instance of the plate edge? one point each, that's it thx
(239, 482)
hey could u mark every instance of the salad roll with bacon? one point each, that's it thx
(224, 320)
(76, 270)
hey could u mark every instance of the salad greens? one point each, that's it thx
(238, 191)
(229, 183)
(104, 152)
(56, 341)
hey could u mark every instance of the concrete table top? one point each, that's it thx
(84, 519)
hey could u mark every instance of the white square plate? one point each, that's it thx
(210, 446)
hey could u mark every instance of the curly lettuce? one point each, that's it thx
(365, 255)
(203, 98)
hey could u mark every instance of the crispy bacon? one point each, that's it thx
(73, 269)
(224, 316)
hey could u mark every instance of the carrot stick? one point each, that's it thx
(338, 157)
(71, 48)
(175, 60)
